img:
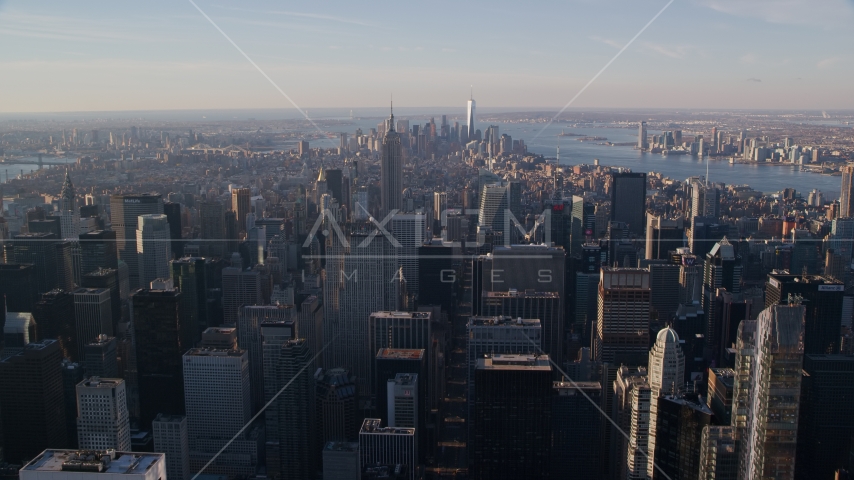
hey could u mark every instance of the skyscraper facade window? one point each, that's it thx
(93, 315)
(623, 317)
(124, 212)
(171, 437)
(103, 421)
(767, 392)
(153, 247)
(216, 393)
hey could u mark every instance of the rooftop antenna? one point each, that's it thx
(558, 150)
(391, 120)
(471, 92)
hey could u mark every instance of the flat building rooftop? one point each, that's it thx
(402, 353)
(503, 322)
(97, 461)
(514, 362)
(371, 426)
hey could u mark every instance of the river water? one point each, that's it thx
(764, 178)
(11, 170)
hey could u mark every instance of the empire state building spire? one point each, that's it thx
(392, 169)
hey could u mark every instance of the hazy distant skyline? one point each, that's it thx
(157, 55)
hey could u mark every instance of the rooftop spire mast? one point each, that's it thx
(391, 119)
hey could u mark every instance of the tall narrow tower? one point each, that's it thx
(470, 115)
(666, 374)
(642, 143)
(766, 396)
(392, 170)
(69, 215)
(298, 457)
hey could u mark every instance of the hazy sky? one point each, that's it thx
(152, 54)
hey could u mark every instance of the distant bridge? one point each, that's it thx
(10, 161)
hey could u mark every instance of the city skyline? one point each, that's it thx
(230, 256)
(170, 57)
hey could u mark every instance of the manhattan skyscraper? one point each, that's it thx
(470, 116)
(392, 170)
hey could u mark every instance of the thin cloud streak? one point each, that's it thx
(678, 51)
(822, 13)
(607, 41)
(315, 16)
(828, 62)
(63, 28)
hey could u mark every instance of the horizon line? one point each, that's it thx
(510, 109)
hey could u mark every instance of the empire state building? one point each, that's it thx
(392, 170)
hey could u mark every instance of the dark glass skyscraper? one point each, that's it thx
(17, 285)
(628, 200)
(72, 374)
(334, 183)
(437, 277)
(822, 299)
(54, 315)
(680, 424)
(583, 224)
(156, 321)
(335, 407)
(49, 225)
(297, 431)
(189, 277)
(173, 218)
(98, 250)
(100, 358)
(31, 401)
(826, 420)
(38, 250)
(212, 223)
(662, 236)
(513, 445)
(577, 424)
